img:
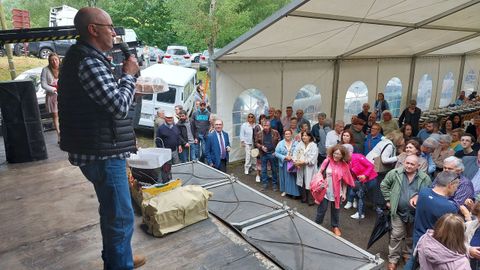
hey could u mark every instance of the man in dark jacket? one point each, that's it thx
(186, 137)
(201, 126)
(266, 141)
(97, 132)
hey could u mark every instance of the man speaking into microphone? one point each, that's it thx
(96, 132)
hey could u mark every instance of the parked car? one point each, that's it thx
(196, 57)
(34, 75)
(178, 56)
(156, 54)
(204, 59)
(42, 49)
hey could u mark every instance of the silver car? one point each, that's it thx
(205, 58)
(178, 56)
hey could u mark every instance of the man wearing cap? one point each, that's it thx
(431, 204)
(217, 147)
(168, 136)
(201, 126)
(358, 136)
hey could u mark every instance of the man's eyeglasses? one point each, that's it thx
(107, 25)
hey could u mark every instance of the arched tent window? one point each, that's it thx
(393, 95)
(447, 90)
(424, 93)
(308, 99)
(249, 101)
(470, 83)
(357, 94)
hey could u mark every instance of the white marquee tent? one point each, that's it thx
(428, 49)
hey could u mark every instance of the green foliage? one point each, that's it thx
(167, 22)
(149, 19)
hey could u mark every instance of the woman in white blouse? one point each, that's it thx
(305, 159)
(48, 80)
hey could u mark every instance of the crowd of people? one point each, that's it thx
(426, 175)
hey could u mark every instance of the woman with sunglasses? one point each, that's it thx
(246, 140)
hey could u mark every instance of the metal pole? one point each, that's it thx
(461, 75)
(411, 77)
(336, 76)
(8, 48)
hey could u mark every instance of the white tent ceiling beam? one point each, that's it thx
(406, 30)
(312, 15)
(448, 44)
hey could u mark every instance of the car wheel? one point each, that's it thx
(197, 59)
(44, 53)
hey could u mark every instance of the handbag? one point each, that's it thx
(319, 185)
(291, 166)
(381, 167)
(254, 152)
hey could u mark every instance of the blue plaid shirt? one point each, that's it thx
(116, 97)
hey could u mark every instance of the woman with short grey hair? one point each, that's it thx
(443, 151)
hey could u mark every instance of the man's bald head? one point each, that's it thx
(86, 16)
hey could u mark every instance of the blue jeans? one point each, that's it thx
(200, 147)
(188, 153)
(268, 157)
(109, 178)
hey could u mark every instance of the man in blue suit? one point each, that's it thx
(217, 147)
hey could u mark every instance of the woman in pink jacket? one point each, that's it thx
(443, 248)
(362, 171)
(336, 171)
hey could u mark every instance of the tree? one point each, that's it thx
(150, 19)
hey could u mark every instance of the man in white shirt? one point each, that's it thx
(333, 136)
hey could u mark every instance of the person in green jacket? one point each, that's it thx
(398, 187)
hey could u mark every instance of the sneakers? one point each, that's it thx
(246, 171)
(354, 204)
(283, 194)
(357, 216)
(257, 179)
(348, 205)
(138, 260)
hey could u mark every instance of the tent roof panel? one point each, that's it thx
(462, 47)
(413, 42)
(324, 29)
(302, 37)
(407, 11)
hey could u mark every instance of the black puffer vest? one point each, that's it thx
(86, 127)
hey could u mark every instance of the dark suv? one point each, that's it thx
(42, 49)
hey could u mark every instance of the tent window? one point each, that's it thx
(249, 101)
(447, 90)
(393, 95)
(470, 82)
(424, 93)
(357, 94)
(308, 99)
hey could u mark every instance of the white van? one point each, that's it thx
(181, 84)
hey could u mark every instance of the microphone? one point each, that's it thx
(125, 50)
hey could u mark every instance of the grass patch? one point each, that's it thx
(21, 64)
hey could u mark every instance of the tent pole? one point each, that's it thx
(282, 66)
(410, 79)
(336, 76)
(461, 75)
(213, 87)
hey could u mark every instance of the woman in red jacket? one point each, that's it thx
(337, 174)
(362, 171)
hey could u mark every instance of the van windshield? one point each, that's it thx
(167, 97)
